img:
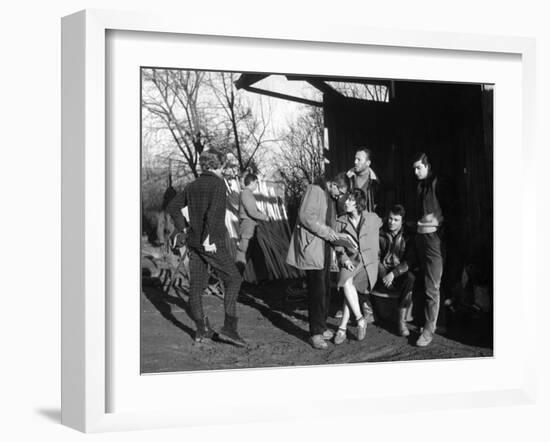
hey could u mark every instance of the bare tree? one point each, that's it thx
(198, 109)
(245, 128)
(173, 98)
(301, 159)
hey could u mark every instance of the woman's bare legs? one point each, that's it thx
(351, 303)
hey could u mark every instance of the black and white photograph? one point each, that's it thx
(275, 221)
(301, 220)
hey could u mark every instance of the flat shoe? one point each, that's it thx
(340, 336)
(318, 342)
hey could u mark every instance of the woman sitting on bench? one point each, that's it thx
(358, 259)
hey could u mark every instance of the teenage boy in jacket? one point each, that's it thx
(432, 200)
(395, 265)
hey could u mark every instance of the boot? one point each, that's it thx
(229, 331)
(203, 330)
(402, 328)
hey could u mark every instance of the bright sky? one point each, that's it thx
(278, 113)
(282, 112)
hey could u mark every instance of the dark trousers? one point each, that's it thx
(246, 233)
(224, 266)
(430, 252)
(405, 283)
(402, 284)
(318, 287)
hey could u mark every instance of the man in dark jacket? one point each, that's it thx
(396, 258)
(206, 201)
(363, 177)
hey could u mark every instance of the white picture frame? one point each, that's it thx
(86, 317)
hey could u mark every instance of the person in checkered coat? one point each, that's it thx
(206, 201)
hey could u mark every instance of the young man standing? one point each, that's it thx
(206, 200)
(249, 215)
(396, 256)
(428, 241)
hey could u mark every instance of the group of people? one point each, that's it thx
(337, 230)
(337, 219)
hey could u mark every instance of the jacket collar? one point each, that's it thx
(348, 226)
(385, 231)
(208, 173)
(371, 175)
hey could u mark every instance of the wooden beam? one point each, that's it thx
(282, 96)
(308, 78)
(246, 80)
(323, 87)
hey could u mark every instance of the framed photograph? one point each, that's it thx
(201, 165)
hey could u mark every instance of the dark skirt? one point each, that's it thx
(359, 275)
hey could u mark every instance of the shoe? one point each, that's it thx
(361, 328)
(340, 336)
(229, 331)
(203, 330)
(328, 335)
(424, 339)
(318, 342)
(402, 329)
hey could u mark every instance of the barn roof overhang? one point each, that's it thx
(322, 83)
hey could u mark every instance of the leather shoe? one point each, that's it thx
(424, 339)
(229, 332)
(318, 342)
(340, 336)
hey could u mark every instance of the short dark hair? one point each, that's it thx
(422, 157)
(398, 209)
(250, 178)
(358, 195)
(342, 179)
(211, 159)
(367, 151)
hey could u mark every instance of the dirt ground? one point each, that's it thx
(276, 330)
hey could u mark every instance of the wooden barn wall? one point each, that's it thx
(453, 125)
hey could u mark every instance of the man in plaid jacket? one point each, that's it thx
(206, 200)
